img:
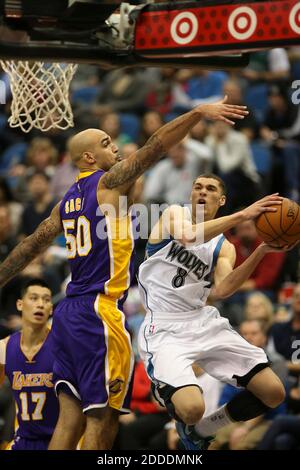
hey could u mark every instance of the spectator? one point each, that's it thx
(291, 267)
(268, 270)
(199, 131)
(259, 307)
(171, 179)
(15, 208)
(110, 123)
(159, 97)
(264, 278)
(147, 418)
(281, 129)
(124, 90)
(7, 241)
(42, 157)
(285, 337)
(151, 122)
(64, 176)
(248, 125)
(128, 149)
(195, 86)
(41, 203)
(235, 165)
(245, 436)
(268, 66)
(283, 434)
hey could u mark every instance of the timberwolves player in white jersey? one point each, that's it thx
(181, 329)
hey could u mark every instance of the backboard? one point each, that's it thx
(114, 34)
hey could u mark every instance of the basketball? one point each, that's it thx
(282, 227)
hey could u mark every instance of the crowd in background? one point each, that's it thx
(260, 155)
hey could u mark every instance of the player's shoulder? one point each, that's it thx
(3, 346)
(14, 337)
(5, 340)
(227, 249)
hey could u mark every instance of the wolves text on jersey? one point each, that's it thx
(187, 259)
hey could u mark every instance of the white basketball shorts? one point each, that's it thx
(169, 347)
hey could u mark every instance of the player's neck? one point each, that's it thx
(32, 336)
(85, 169)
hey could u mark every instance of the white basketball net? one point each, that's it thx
(40, 94)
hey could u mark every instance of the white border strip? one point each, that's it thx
(72, 388)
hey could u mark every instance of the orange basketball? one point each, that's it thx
(282, 227)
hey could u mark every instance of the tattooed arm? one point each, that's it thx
(31, 246)
(122, 175)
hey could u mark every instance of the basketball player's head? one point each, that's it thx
(35, 303)
(93, 149)
(208, 194)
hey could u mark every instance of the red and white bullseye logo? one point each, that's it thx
(294, 18)
(242, 23)
(184, 27)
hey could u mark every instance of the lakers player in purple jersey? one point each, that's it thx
(93, 355)
(26, 358)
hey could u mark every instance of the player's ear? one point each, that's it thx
(89, 157)
(19, 305)
(222, 200)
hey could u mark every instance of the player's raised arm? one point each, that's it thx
(227, 280)
(175, 222)
(123, 174)
(31, 246)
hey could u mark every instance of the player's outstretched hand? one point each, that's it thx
(266, 204)
(220, 111)
(269, 248)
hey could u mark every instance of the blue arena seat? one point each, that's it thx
(262, 157)
(12, 155)
(256, 97)
(86, 95)
(130, 125)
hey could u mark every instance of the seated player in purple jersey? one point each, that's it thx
(93, 354)
(26, 358)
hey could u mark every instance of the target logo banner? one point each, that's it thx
(225, 27)
(184, 28)
(294, 18)
(242, 23)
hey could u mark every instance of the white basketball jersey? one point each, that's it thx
(175, 278)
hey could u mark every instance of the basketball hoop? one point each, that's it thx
(40, 94)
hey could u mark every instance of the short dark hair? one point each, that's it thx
(33, 282)
(215, 177)
(41, 173)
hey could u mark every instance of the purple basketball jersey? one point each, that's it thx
(33, 389)
(100, 249)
